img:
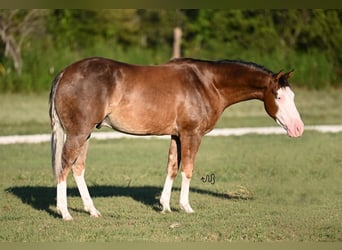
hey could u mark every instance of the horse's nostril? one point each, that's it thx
(300, 128)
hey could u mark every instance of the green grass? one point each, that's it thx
(281, 189)
(24, 113)
(28, 113)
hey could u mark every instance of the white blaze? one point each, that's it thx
(287, 116)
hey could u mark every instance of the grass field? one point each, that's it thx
(267, 188)
(279, 190)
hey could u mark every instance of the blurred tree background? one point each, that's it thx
(36, 44)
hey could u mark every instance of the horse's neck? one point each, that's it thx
(234, 89)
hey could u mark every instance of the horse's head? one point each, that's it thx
(279, 104)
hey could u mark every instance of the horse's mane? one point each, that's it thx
(240, 62)
(255, 66)
(248, 64)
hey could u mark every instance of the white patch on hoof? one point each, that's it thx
(93, 211)
(166, 207)
(65, 214)
(67, 218)
(187, 208)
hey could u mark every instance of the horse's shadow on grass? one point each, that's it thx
(42, 198)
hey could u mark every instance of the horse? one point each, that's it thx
(182, 98)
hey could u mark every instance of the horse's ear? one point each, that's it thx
(289, 74)
(277, 76)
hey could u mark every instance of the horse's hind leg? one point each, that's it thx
(71, 151)
(62, 204)
(78, 171)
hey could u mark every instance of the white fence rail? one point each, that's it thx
(12, 139)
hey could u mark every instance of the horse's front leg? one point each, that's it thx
(190, 145)
(172, 169)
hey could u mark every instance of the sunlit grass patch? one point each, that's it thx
(267, 188)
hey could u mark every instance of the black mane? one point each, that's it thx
(282, 80)
(248, 64)
(241, 62)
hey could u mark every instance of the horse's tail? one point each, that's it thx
(57, 132)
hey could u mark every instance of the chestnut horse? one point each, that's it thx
(183, 98)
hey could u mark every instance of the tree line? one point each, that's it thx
(59, 36)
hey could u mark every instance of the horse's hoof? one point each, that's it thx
(187, 208)
(93, 212)
(67, 218)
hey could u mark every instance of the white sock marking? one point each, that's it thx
(184, 196)
(87, 201)
(166, 194)
(62, 204)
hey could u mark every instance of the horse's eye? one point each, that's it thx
(278, 97)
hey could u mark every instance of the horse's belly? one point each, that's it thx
(142, 123)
